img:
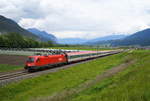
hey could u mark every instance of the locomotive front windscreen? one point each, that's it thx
(30, 60)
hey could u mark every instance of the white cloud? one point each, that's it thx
(80, 18)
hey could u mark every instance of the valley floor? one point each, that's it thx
(120, 77)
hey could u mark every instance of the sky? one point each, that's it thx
(85, 19)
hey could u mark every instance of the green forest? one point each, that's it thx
(16, 40)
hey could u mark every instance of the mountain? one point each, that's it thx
(71, 41)
(89, 42)
(8, 25)
(44, 36)
(141, 38)
(105, 39)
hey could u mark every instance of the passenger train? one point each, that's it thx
(38, 62)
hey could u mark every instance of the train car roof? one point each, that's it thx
(54, 55)
(81, 52)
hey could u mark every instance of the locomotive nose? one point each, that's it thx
(28, 65)
(29, 62)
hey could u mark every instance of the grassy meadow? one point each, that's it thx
(7, 68)
(132, 84)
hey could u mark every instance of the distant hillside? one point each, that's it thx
(106, 39)
(44, 36)
(8, 25)
(71, 41)
(141, 38)
(100, 40)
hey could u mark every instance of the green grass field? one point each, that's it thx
(129, 85)
(133, 84)
(6, 67)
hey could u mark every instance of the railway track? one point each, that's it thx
(19, 70)
(12, 75)
(22, 74)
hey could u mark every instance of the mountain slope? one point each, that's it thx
(8, 25)
(105, 39)
(89, 42)
(71, 41)
(44, 36)
(141, 38)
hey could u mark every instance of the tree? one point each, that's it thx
(16, 40)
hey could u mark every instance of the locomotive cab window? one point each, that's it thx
(30, 60)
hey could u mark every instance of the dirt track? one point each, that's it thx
(13, 59)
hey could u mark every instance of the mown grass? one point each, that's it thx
(6, 67)
(133, 84)
(52, 83)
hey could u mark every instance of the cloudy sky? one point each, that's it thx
(79, 18)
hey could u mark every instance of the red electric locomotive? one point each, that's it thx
(44, 61)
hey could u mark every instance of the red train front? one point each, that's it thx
(39, 62)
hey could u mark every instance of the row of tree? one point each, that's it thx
(16, 40)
